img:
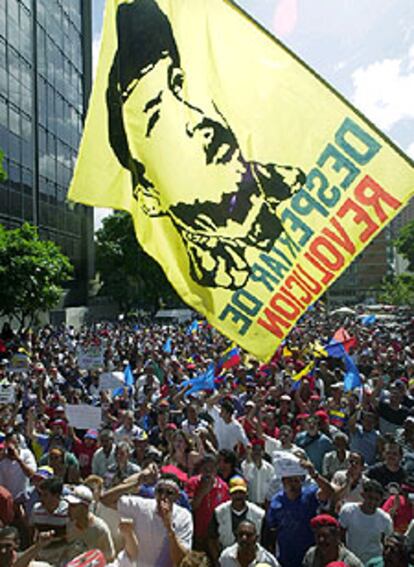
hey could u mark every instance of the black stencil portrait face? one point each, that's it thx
(185, 161)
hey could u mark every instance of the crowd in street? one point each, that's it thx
(277, 464)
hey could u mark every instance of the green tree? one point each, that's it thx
(2, 172)
(129, 276)
(32, 272)
(405, 244)
(398, 290)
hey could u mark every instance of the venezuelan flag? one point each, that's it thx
(296, 380)
(229, 358)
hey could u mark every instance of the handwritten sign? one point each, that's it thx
(90, 357)
(83, 416)
(7, 393)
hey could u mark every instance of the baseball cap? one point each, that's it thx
(91, 434)
(2, 445)
(237, 483)
(141, 435)
(171, 426)
(44, 472)
(80, 495)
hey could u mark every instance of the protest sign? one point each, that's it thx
(7, 393)
(83, 416)
(90, 357)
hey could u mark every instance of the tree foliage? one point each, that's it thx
(398, 290)
(129, 276)
(405, 244)
(32, 272)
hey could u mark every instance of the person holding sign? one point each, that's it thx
(291, 509)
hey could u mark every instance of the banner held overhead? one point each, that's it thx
(249, 179)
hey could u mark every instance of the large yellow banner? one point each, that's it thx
(249, 179)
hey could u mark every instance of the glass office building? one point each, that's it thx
(45, 80)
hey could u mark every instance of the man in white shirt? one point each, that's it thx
(17, 465)
(366, 524)
(127, 431)
(227, 429)
(258, 472)
(246, 551)
(104, 457)
(164, 530)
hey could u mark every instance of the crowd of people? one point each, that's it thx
(277, 464)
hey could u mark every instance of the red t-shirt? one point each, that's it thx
(403, 515)
(204, 513)
(84, 455)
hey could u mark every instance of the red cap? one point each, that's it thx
(315, 397)
(259, 442)
(302, 416)
(324, 520)
(171, 426)
(323, 415)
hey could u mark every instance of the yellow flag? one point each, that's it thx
(249, 179)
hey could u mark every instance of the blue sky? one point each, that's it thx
(364, 48)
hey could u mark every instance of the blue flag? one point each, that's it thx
(368, 320)
(335, 349)
(129, 382)
(192, 328)
(167, 348)
(204, 381)
(352, 378)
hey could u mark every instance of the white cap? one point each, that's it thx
(80, 495)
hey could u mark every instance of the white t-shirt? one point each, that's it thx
(364, 532)
(152, 536)
(228, 434)
(259, 480)
(12, 476)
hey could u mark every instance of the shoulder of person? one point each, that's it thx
(256, 508)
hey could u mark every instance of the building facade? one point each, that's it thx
(45, 81)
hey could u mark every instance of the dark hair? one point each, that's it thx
(373, 486)
(229, 457)
(10, 532)
(144, 37)
(209, 458)
(228, 406)
(53, 485)
(359, 455)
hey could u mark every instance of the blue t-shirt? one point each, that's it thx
(314, 447)
(291, 519)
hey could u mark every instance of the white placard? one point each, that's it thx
(20, 362)
(287, 465)
(91, 357)
(7, 393)
(83, 416)
(111, 380)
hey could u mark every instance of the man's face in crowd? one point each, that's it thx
(368, 422)
(326, 539)
(372, 500)
(50, 501)
(238, 499)
(166, 492)
(106, 442)
(209, 470)
(246, 537)
(292, 486)
(392, 455)
(355, 464)
(312, 426)
(8, 552)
